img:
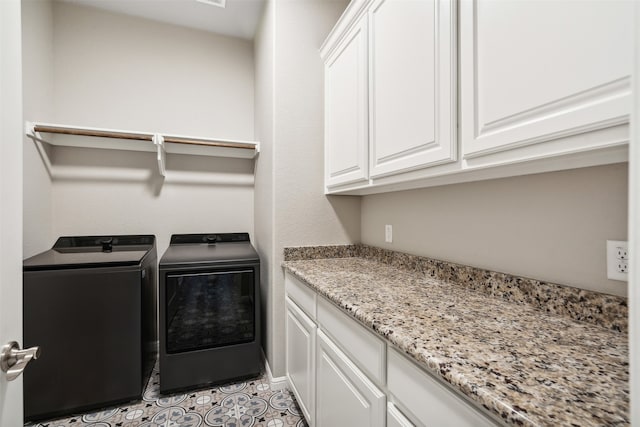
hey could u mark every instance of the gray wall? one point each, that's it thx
(551, 226)
(292, 169)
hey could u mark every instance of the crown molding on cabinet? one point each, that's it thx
(349, 18)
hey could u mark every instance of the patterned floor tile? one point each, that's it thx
(250, 403)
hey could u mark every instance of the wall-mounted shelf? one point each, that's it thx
(75, 136)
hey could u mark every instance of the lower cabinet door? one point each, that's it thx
(395, 418)
(344, 395)
(300, 361)
(428, 401)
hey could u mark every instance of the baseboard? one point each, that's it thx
(276, 383)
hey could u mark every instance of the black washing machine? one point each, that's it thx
(89, 303)
(209, 310)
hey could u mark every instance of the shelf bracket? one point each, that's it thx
(36, 137)
(158, 141)
(29, 129)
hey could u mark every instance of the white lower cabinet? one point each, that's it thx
(395, 418)
(345, 396)
(430, 402)
(300, 363)
(342, 374)
(354, 340)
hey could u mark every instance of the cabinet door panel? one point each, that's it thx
(395, 418)
(346, 134)
(302, 295)
(300, 360)
(562, 70)
(429, 401)
(345, 396)
(366, 349)
(412, 84)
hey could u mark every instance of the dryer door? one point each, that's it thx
(208, 310)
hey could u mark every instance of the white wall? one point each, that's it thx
(108, 195)
(37, 84)
(634, 233)
(11, 405)
(130, 73)
(124, 72)
(264, 52)
(549, 226)
(302, 214)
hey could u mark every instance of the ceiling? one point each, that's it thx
(238, 19)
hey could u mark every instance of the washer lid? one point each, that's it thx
(189, 249)
(92, 252)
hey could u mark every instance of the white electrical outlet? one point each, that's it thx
(621, 252)
(617, 260)
(388, 233)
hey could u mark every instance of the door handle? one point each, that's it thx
(13, 360)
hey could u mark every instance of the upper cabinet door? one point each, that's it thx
(412, 84)
(534, 71)
(346, 136)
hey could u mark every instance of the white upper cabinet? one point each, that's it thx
(432, 92)
(537, 71)
(412, 75)
(346, 133)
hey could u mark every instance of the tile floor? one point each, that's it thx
(243, 404)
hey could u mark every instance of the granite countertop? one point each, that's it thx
(526, 366)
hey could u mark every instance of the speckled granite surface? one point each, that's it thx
(609, 311)
(525, 365)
